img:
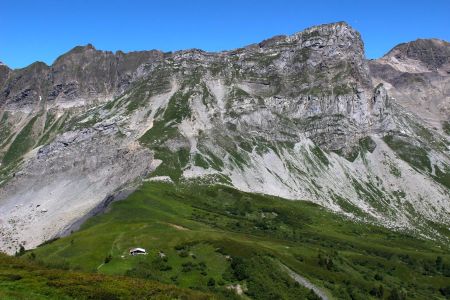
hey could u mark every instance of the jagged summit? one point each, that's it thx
(337, 28)
(418, 75)
(107, 74)
(77, 50)
(434, 53)
(330, 27)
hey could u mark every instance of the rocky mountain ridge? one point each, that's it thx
(303, 117)
(417, 75)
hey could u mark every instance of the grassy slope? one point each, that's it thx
(23, 279)
(217, 236)
(21, 144)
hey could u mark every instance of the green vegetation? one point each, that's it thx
(165, 126)
(342, 89)
(320, 155)
(173, 162)
(372, 194)
(426, 136)
(5, 128)
(158, 83)
(53, 126)
(25, 279)
(446, 127)
(165, 129)
(211, 238)
(22, 143)
(310, 34)
(236, 96)
(414, 155)
(348, 207)
(365, 145)
(264, 60)
(442, 176)
(302, 55)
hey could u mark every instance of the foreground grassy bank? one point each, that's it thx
(24, 279)
(222, 241)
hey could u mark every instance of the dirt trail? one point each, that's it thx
(179, 227)
(306, 283)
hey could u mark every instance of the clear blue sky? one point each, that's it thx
(44, 29)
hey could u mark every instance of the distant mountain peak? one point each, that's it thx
(434, 53)
(82, 48)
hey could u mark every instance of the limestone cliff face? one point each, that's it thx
(321, 71)
(320, 74)
(298, 116)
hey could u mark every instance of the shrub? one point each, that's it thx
(108, 258)
(377, 291)
(21, 251)
(183, 253)
(445, 291)
(239, 269)
(397, 295)
(211, 282)
(378, 277)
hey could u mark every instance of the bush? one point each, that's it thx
(183, 253)
(378, 277)
(326, 261)
(445, 291)
(312, 296)
(239, 270)
(11, 277)
(397, 295)
(21, 251)
(108, 258)
(377, 291)
(187, 267)
(211, 282)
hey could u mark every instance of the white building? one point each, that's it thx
(137, 251)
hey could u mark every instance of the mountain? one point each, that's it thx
(417, 75)
(303, 117)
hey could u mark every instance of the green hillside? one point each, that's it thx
(220, 240)
(25, 279)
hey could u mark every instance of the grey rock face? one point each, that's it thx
(4, 73)
(64, 181)
(417, 74)
(433, 53)
(80, 77)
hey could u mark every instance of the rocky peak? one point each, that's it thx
(433, 53)
(81, 48)
(337, 43)
(79, 77)
(417, 75)
(4, 73)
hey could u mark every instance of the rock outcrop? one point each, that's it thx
(417, 74)
(82, 77)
